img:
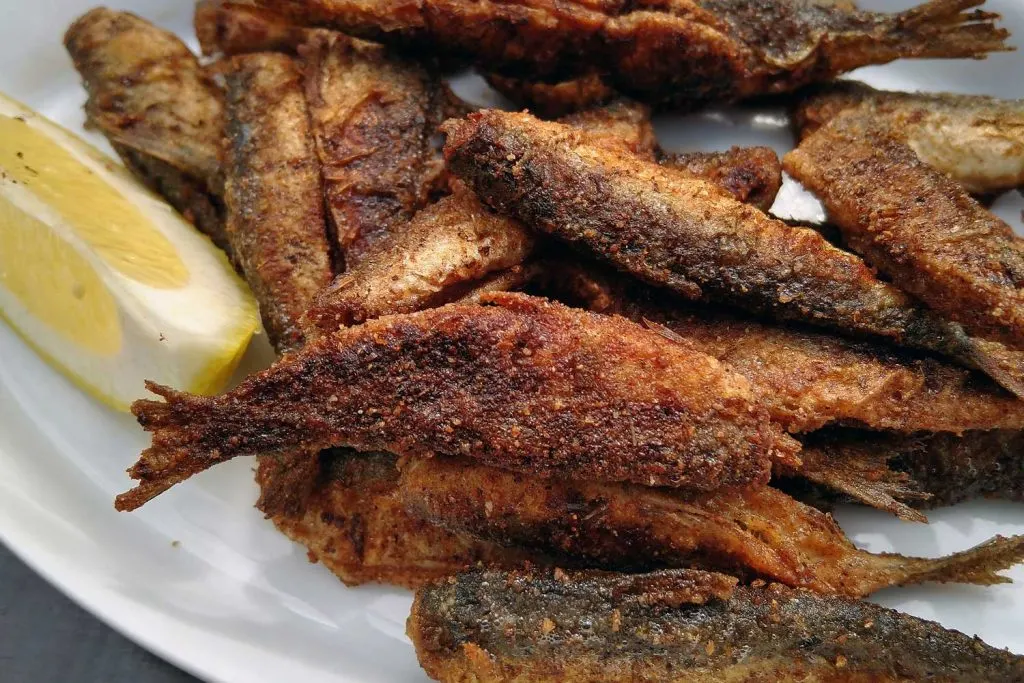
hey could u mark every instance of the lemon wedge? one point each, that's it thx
(105, 280)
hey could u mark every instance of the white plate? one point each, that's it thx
(200, 578)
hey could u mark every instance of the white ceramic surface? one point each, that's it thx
(200, 578)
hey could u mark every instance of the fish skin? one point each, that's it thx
(687, 235)
(753, 175)
(683, 626)
(686, 53)
(273, 191)
(755, 533)
(521, 383)
(975, 139)
(553, 100)
(925, 232)
(233, 28)
(341, 506)
(147, 92)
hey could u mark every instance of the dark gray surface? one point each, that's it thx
(46, 638)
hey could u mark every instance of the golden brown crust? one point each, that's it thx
(557, 626)
(350, 521)
(622, 125)
(273, 191)
(234, 28)
(147, 92)
(552, 100)
(373, 116)
(524, 383)
(685, 234)
(976, 140)
(754, 533)
(753, 175)
(924, 231)
(686, 53)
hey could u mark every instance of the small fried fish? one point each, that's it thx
(924, 231)
(522, 383)
(551, 625)
(273, 192)
(756, 533)
(976, 140)
(753, 175)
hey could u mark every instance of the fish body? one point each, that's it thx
(680, 626)
(753, 175)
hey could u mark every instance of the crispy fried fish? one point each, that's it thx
(147, 92)
(552, 100)
(806, 379)
(234, 28)
(899, 473)
(622, 125)
(683, 626)
(374, 116)
(924, 231)
(974, 139)
(752, 175)
(756, 533)
(273, 191)
(685, 53)
(685, 234)
(350, 520)
(523, 383)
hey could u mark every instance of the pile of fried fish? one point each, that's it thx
(590, 397)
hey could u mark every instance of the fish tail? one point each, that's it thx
(978, 565)
(945, 28)
(1004, 365)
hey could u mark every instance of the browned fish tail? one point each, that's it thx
(978, 565)
(937, 29)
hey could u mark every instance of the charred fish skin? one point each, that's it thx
(147, 92)
(520, 383)
(341, 506)
(684, 55)
(760, 533)
(687, 235)
(974, 139)
(274, 195)
(925, 232)
(555, 625)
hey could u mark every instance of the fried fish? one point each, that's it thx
(753, 175)
(234, 28)
(553, 100)
(754, 533)
(925, 231)
(685, 234)
(684, 626)
(522, 383)
(342, 507)
(273, 191)
(974, 139)
(685, 54)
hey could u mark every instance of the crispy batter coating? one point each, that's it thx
(351, 522)
(550, 625)
(273, 191)
(924, 231)
(525, 384)
(147, 92)
(622, 125)
(755, 533)
(974, 139)
(552, 100)
(752, 175)
(234, 28)
(374, 116)
(900, 473)
(444, 251)
(806, 379)
(686, 53)
(686, 234)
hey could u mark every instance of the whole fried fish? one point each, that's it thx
(553, 100)
(373, 116)
(341, 506)
(687, 53)
(685, 234)
(677, 625)
(900, 473)
(924, 231)
(805, 378)
(976, 140)
(523, 383)
(753, 175)
(273, 191)
(755, 533)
